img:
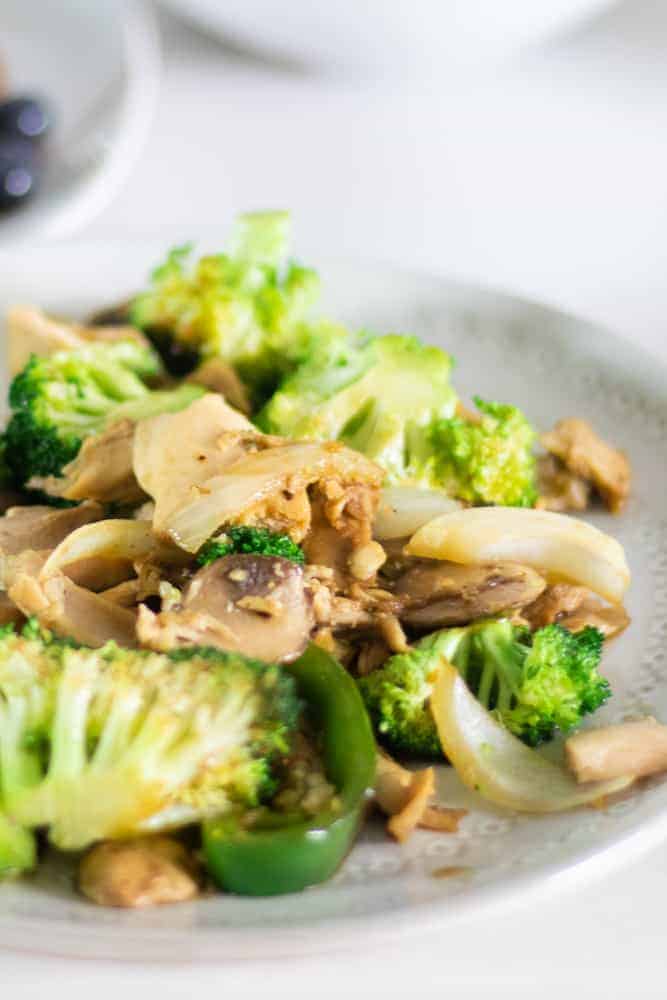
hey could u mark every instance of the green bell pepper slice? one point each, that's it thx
(283, 856)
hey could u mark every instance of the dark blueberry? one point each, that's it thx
(24, 117)
(19, 171)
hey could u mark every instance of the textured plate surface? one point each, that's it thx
(550, 364)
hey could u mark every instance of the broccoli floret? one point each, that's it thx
(536, 684)
(110, 742)
(255, 541)
(248, 306)
(18, 850)
(58, 401)
(379, 395)
(490, 462)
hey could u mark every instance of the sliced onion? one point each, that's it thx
(255, 476)
(115, 539)
(489, 759)
(404, 509)
(561, 546)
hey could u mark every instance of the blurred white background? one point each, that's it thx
(545, 176)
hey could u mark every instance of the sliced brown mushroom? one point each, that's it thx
(144, 871)
(257, 605)
(437, 594)
(42, 527)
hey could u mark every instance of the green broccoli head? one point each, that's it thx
(379, 395)
(547, 684)
(536, 684)
(250, 540)
(58, 401)
(490, 462)
(110, 742)
(397, 694)
(247, 306)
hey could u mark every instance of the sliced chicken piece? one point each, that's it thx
(101, 471)
(257, 605)
(71, 611)
(32, 331)
(436, 594)
(405, 796)
(585, 454)
(215, 375)
(175, 454)
(575, 608)
(206, 467)
(144, 871)
(560, 489)
(631, 748)
(43, 527)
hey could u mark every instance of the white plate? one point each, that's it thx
(98, 66)
(551, 364)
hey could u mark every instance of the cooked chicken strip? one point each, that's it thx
(632, 748)
(71, 611)
(101, 471)
(143, 871)
(437, 594)
(215, 375)
(32, 331)
(582, 451)
(404, 796)
(575, 608)
(560, 489)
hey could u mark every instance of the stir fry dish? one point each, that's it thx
(259, 573)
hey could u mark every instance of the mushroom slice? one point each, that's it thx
(561, 547)
(42, 527)
(437, 594)
(256, 605)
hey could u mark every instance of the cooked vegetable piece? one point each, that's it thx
(435, 594)
(286, 853)
(58, 401)
(535, 684)
(379, 395)
(497, 765)
(18, 850)
(255, 605)
(106, 743)
(248, 306)
(252, 541)
(488, 461)
(560, 546)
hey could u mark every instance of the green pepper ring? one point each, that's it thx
(288, 858)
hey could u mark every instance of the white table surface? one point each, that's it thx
(548, 181)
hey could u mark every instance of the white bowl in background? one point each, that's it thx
(98, 65)
(420, 39)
